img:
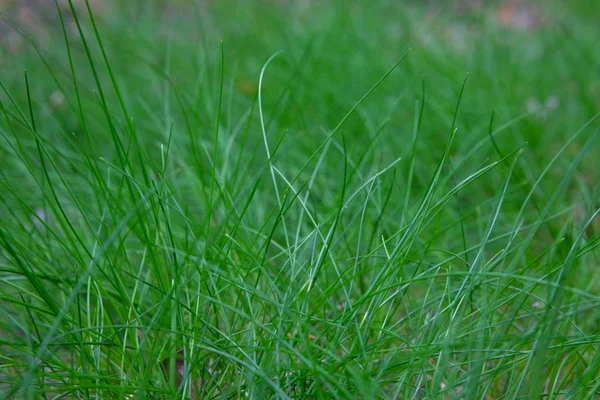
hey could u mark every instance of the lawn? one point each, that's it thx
(300, 199)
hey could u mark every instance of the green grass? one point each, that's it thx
(300, 200)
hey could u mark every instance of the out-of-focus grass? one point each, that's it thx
(181, 217)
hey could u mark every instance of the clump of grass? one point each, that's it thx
(188, 217)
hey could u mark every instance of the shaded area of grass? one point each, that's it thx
(401, 204)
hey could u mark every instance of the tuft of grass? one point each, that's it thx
(300, 200)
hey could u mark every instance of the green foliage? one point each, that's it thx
(300, 200)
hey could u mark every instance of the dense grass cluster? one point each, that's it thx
(300, 200)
